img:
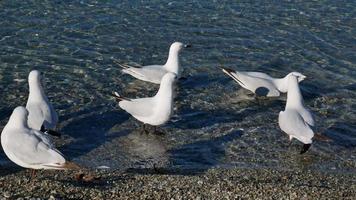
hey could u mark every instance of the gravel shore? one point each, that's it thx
(161, 184)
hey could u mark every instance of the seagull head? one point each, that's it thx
(177, 46)
(169, 77)
(19, 117)
(300, 76)
(34, 77)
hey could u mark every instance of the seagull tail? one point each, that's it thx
(227, 70)
(232, 73)
(119, 98)
(123, 66)
(320, 137)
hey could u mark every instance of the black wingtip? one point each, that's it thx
(187, 46)
(50, 132)
(119, 98)
(305, 148)
(230, 73)
(53, 133)
(227, 70)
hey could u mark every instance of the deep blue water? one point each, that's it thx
(216, 122)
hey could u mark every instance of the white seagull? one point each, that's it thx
(154, 73)
(296, 120)
(260, 83)
(30, 148)
(42, 115)
(155, 110)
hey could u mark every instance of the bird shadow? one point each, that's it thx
(261, 91)
(342, 134)
(90, 131)
(5, 113)
(8, 167)
(194, 158)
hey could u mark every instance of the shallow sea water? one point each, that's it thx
(216, 122)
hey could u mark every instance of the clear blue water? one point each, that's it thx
(216, 122)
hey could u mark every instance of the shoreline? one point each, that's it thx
(152, 184)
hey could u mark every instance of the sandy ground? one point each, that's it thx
(162, 184)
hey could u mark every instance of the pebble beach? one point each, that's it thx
(161, 184)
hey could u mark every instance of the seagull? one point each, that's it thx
(154, 73)
(262, 84)
(42, 115)
(154, 111)
(30, 148)
(296, 120)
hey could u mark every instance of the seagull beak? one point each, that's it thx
(187, 46)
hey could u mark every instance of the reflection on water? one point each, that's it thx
(74, 43)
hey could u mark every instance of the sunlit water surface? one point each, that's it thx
(216, 122)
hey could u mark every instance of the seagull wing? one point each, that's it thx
(292, 123)
(259, 86)
(32, 149)
(50, 115)
(307, 116)
(142, 107)
(44, 137)
(259, 75)
(150, 73)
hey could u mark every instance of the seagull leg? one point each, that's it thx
(33, 173)
(144, 129)
(157, 131)
(305, 148)
(290, 141)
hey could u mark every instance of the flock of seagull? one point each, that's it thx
(26, 137)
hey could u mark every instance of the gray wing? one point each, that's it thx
(43, 137)
(292, 123)
(138, 107)
(50, 116)
(34, 150)
(259, 75)
(151, 73)
(307, 116)
(259, 86)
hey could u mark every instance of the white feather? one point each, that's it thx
(261, 83)
(296, 120)
(41, 111)
(155, 110)
(154, 73)
(27, 147)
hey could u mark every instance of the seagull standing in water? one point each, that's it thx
(296, 120)
(30, 148)
(155, 110)
(262, 84)
(42, 115)
(154, 73)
